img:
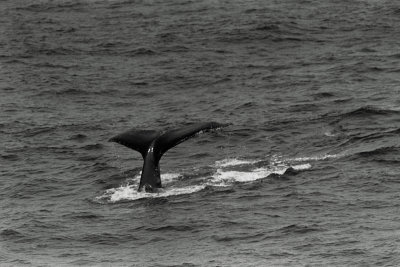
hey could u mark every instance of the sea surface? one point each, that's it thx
(307, 173)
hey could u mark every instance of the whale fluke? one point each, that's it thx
(153, 144)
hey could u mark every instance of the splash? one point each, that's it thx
(130, 192)
(227, 172)
(233, 176)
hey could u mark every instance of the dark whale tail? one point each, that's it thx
(153, 144)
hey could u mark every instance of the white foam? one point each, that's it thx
(247, 176)
(233, 162)
(165, 177)
(316, 158)
(329, 134)
(123, 192)
(168, 177)
(225, 175)
(130, 192)
(302, 167)
(237, 176)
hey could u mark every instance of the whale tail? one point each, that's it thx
(153, 144)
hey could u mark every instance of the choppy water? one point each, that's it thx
(307, 174)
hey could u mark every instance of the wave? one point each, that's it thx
(11, 233)
(49, 65)
(92, 147)
(364, 138)
(380, 151)
(31, 132)
(52, 51)
(83, 215)
(78, 137)
(358, 113)
(365, 112)
(323, 95)
(9, 157)
(54, 7)
(75, 92)
(14, 236)
(371, 110)
(140, 51)
(299, 229)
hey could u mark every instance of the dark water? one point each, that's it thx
(308, 173)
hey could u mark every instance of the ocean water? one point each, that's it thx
(307, 174)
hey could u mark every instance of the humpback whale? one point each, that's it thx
(153, 144)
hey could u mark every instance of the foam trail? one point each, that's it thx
(316, 158)
(233, 162)
(166, 177)
(169, 177)
(228, 172)
(241, 176)
(302, 167)
(130, 193)
(230, 176)
(330, 134)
